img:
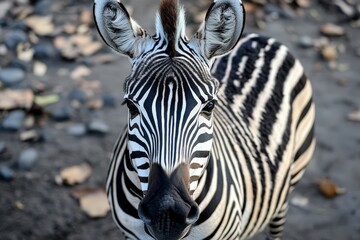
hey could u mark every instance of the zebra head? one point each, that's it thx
(170, 95)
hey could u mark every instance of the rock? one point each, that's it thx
(98, 126)
(305, 42)
(27, 159)
(29, 122)
(329, 53)
(11, 76)
(2, 147)
(29, 136)
(276, 12)
(80, 72)
(13, 38)
(332, 30)
(4, 7)
(42, 7)
(95, 104)
(61, 113)
(69, 28)
(86, 17)
(95, 204)
(91, 48)
(354, 116)
(77, 129)
(79, 95)
(303, 3)
(6, 174)
(45, 51)
(25, 54)
(39, 69)
(20, 64)
(41, 25)
(104, 58)
(11, 99)
(109, 101)
(14, 121)
(74, 175)
(3, 50)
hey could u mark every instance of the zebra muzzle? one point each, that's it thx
(168, 210)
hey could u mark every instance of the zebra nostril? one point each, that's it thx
(193, 215)
(143, 214)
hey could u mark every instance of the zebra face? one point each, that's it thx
(170, 95)
(170, 117)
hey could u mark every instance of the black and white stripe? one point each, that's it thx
(244, 157)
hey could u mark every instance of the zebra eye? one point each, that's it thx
(133, 110)
(209, 107)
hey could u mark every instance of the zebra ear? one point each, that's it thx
(222, 28)
(117, 28)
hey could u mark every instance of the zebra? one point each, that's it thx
(220, 126)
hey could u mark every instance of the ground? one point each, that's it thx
(34, 207)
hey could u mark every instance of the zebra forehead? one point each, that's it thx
(171, 24)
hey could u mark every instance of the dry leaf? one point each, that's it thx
(354, 116)
(95, 204)
(10, 99)
(329, 188)
(74, 175)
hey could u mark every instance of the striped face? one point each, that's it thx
(170, 105)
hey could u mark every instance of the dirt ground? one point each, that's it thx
(48, 211)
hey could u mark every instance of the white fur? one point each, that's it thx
(213, 43)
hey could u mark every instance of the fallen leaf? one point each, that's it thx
(46, 100)
(74, 175)
(329, 188)
(11, 99)
(95, 204)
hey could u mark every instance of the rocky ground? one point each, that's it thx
(60, 113)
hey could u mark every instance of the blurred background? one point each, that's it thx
(60, 113)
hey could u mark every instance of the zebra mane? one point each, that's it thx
(170, 24)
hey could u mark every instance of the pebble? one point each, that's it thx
(6, 174)
(329, 53)
(109, 101)
(27, 159)
(29, 136)
(62, 113)
(332, 30)
(305, 42)
(11, 76)
(13, 38)
(20, 64)
(45, 51)
(77, 129)
(98, 126)
(78, 95)
(14, 121)
(276, 11)
(2, 147)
